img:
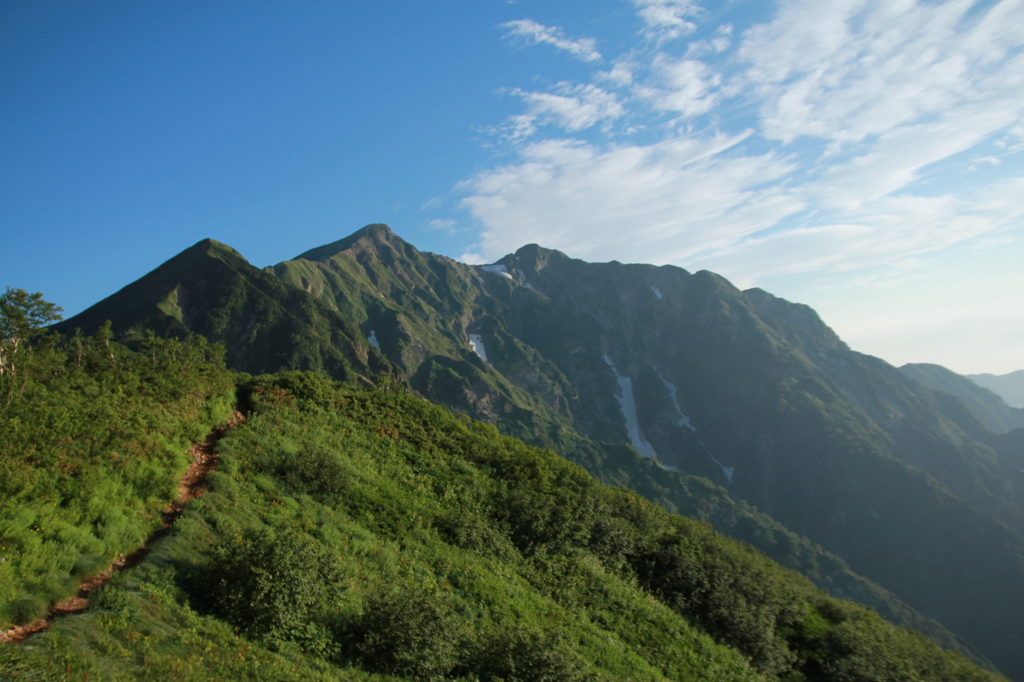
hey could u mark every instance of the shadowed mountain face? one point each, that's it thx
(649, 376)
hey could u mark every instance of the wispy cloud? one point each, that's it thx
(584, 49)
(571, 108)
(686, 86)
(666, 20)
(844, 71)
(445, 225)
(855, 102)
(658, 203)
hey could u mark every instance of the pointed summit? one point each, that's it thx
(377, 233)
(210, 289)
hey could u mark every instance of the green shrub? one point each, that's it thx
(25, 610)
(316, 471)
(518, 654)
(409, 633)
(88, 565)
(274, 586)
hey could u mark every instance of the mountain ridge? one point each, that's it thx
(754, 392)
(1010, 386)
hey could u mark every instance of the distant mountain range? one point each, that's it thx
(1010, 387)
(899, 488)
(990, 406)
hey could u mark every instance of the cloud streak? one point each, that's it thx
(584, 49)
(570, 107)
(666, 20)
(853, 114)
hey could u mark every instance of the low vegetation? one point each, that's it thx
(93, 440)
(356, 533)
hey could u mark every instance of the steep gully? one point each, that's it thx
(205, 459)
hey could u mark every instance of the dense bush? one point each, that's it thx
(517, 654)
(408, 632)
(275, 586)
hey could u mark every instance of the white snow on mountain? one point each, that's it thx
(683, 419)
(728, 471)
(477, 344)
(497, 270)
(627, 403)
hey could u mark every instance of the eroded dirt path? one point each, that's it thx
(193, 484)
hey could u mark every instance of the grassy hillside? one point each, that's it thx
(91, 451)
(362, 534)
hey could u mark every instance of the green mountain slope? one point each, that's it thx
(989, 407)
(423, 310)
(357, 534)
(650, 377)
(209, 289)
(90, 454)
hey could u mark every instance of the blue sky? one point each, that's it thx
(863, 157)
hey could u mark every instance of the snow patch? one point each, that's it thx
(477, 344)
(728, 471)
(496, 269)
(372, 338)
(657, 292)
(683, 419)
(627, 403)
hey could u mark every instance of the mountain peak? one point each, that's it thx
(375, 233)
(205, 247)
(535, 257)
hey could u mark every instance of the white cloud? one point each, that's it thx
(445, 225)
(571, 107)
(584, 49)
(666, 20)
(720, 43)
(515, 128)
(659, 203)
(685, 86)
(621, 73)
(846, 70)
(889, 231)
(897, 158)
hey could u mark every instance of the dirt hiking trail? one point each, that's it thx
(192, 485)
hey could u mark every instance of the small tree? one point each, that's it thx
(22, 316)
